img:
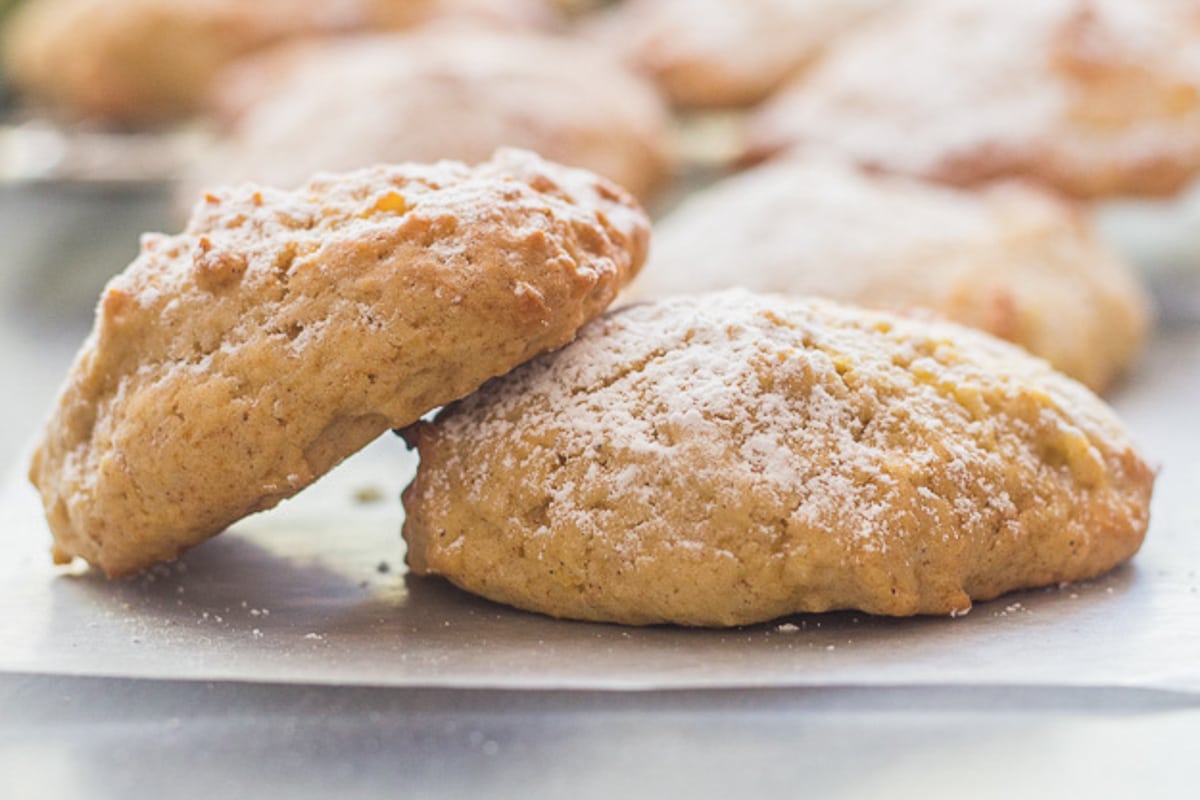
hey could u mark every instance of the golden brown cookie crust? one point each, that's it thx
(1093, 97)
(1009, 259)
(347, 103)
(727, 459)
(233, 364)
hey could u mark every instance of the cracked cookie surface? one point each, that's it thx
(233, 364)
(730, 458)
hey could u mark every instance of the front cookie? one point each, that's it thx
(232, 365)
(727, 459)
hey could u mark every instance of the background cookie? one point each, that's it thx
(1094, 97)
(717, 53)
(138, 61)
(1009, 259)
(726, 459)
(357, 101)
(232, 365)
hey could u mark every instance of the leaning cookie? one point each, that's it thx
(1093, 97)
(1009, 259)
(232, 365)
(730, 458)
(723, 53)
(144, 61)
(347, 103)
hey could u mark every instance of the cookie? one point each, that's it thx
(1093, 97)
(727, 459)
(1010, 259)
(232, 365)
(349, 103)
(135, 62)
(724, 53)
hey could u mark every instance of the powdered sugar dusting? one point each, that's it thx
(730, 458)
(863, 427)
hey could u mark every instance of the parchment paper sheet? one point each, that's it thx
(315, 592)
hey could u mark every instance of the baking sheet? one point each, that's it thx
(315, 592)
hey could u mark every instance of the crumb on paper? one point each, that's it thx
(383, 567)
(368, 494)
(959, 612)
(787, 627)
(314, 636)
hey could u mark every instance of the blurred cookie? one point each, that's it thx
(234, 364)
(722, 53)
(1010, 259)
(348, 103)
(727, 459)
(1094, 97)
(140, 61)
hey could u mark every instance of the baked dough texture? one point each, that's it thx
(1010, 259)
(344, 104)
(1094, 97)
(232, 365)
(724, 53)
(730, 458)
(135, 62)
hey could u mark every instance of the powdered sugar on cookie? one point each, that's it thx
(781, 436)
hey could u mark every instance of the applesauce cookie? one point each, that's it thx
(145, 61)
(1094, 97)
(729, 458)
(724, 53)
(232, 365)
(343, 104)
(1010, 259)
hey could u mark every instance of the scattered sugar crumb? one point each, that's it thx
(368, 494)
(787, 627)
